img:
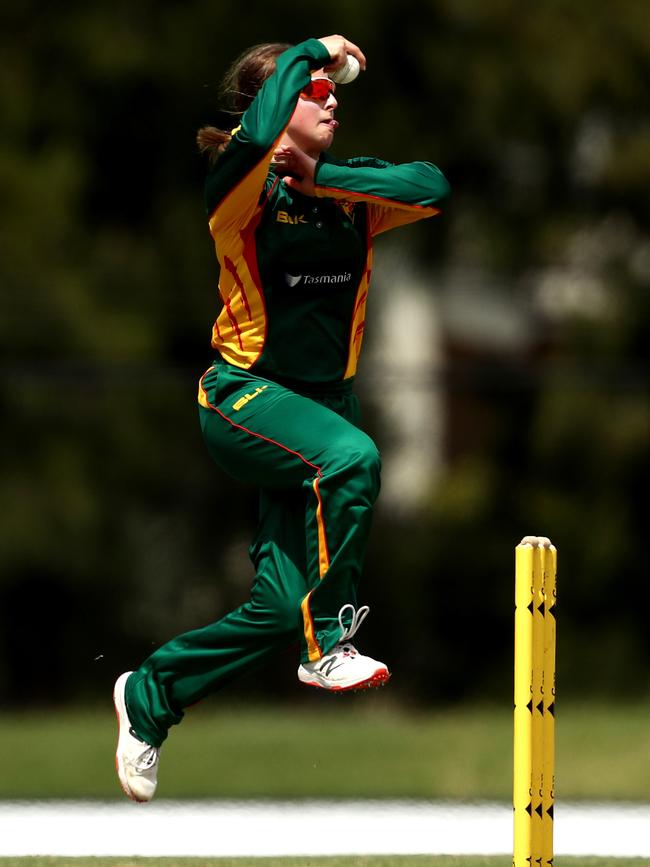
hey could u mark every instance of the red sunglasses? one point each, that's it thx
(318, 88)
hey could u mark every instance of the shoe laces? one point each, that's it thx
(146, 760)
(358, 616)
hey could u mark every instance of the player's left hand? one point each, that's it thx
(298, 166)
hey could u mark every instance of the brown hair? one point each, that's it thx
(238, 89)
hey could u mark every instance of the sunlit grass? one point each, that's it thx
(365, 749)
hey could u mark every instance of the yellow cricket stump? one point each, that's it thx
(534, 720)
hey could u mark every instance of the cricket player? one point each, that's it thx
(293, 230)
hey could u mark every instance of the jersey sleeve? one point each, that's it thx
(395, 194)
(236, 180)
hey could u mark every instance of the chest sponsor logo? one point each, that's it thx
(293, 280)
(286, 217)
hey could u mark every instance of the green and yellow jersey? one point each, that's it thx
(295, 269)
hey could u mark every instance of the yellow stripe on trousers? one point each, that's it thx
(313, 647)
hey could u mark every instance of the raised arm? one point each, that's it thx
(235, 183)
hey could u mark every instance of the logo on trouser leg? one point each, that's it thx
(238, 404)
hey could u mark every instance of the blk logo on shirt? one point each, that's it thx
(285, 217)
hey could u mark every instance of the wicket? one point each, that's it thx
(534, 718)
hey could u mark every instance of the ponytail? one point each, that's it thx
(212, 141)
(239, 88)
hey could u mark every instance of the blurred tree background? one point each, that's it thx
(505, 370)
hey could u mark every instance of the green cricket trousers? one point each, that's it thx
(319, 479)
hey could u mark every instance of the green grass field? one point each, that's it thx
(359, 748)
(369, 861)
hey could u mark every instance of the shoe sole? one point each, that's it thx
(122, 723)
(379, 678)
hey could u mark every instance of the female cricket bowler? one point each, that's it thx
(293, 230)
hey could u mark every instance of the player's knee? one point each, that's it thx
(365, 464)
(277, 609)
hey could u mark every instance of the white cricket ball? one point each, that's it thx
(346, 74)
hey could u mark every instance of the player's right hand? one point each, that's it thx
(339, 47)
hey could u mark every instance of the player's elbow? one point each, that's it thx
(439, 188)
(444, 189)
(432, 186)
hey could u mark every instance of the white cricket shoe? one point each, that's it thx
(344, 668)
(136, 761)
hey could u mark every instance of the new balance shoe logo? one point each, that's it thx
(329, 665)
